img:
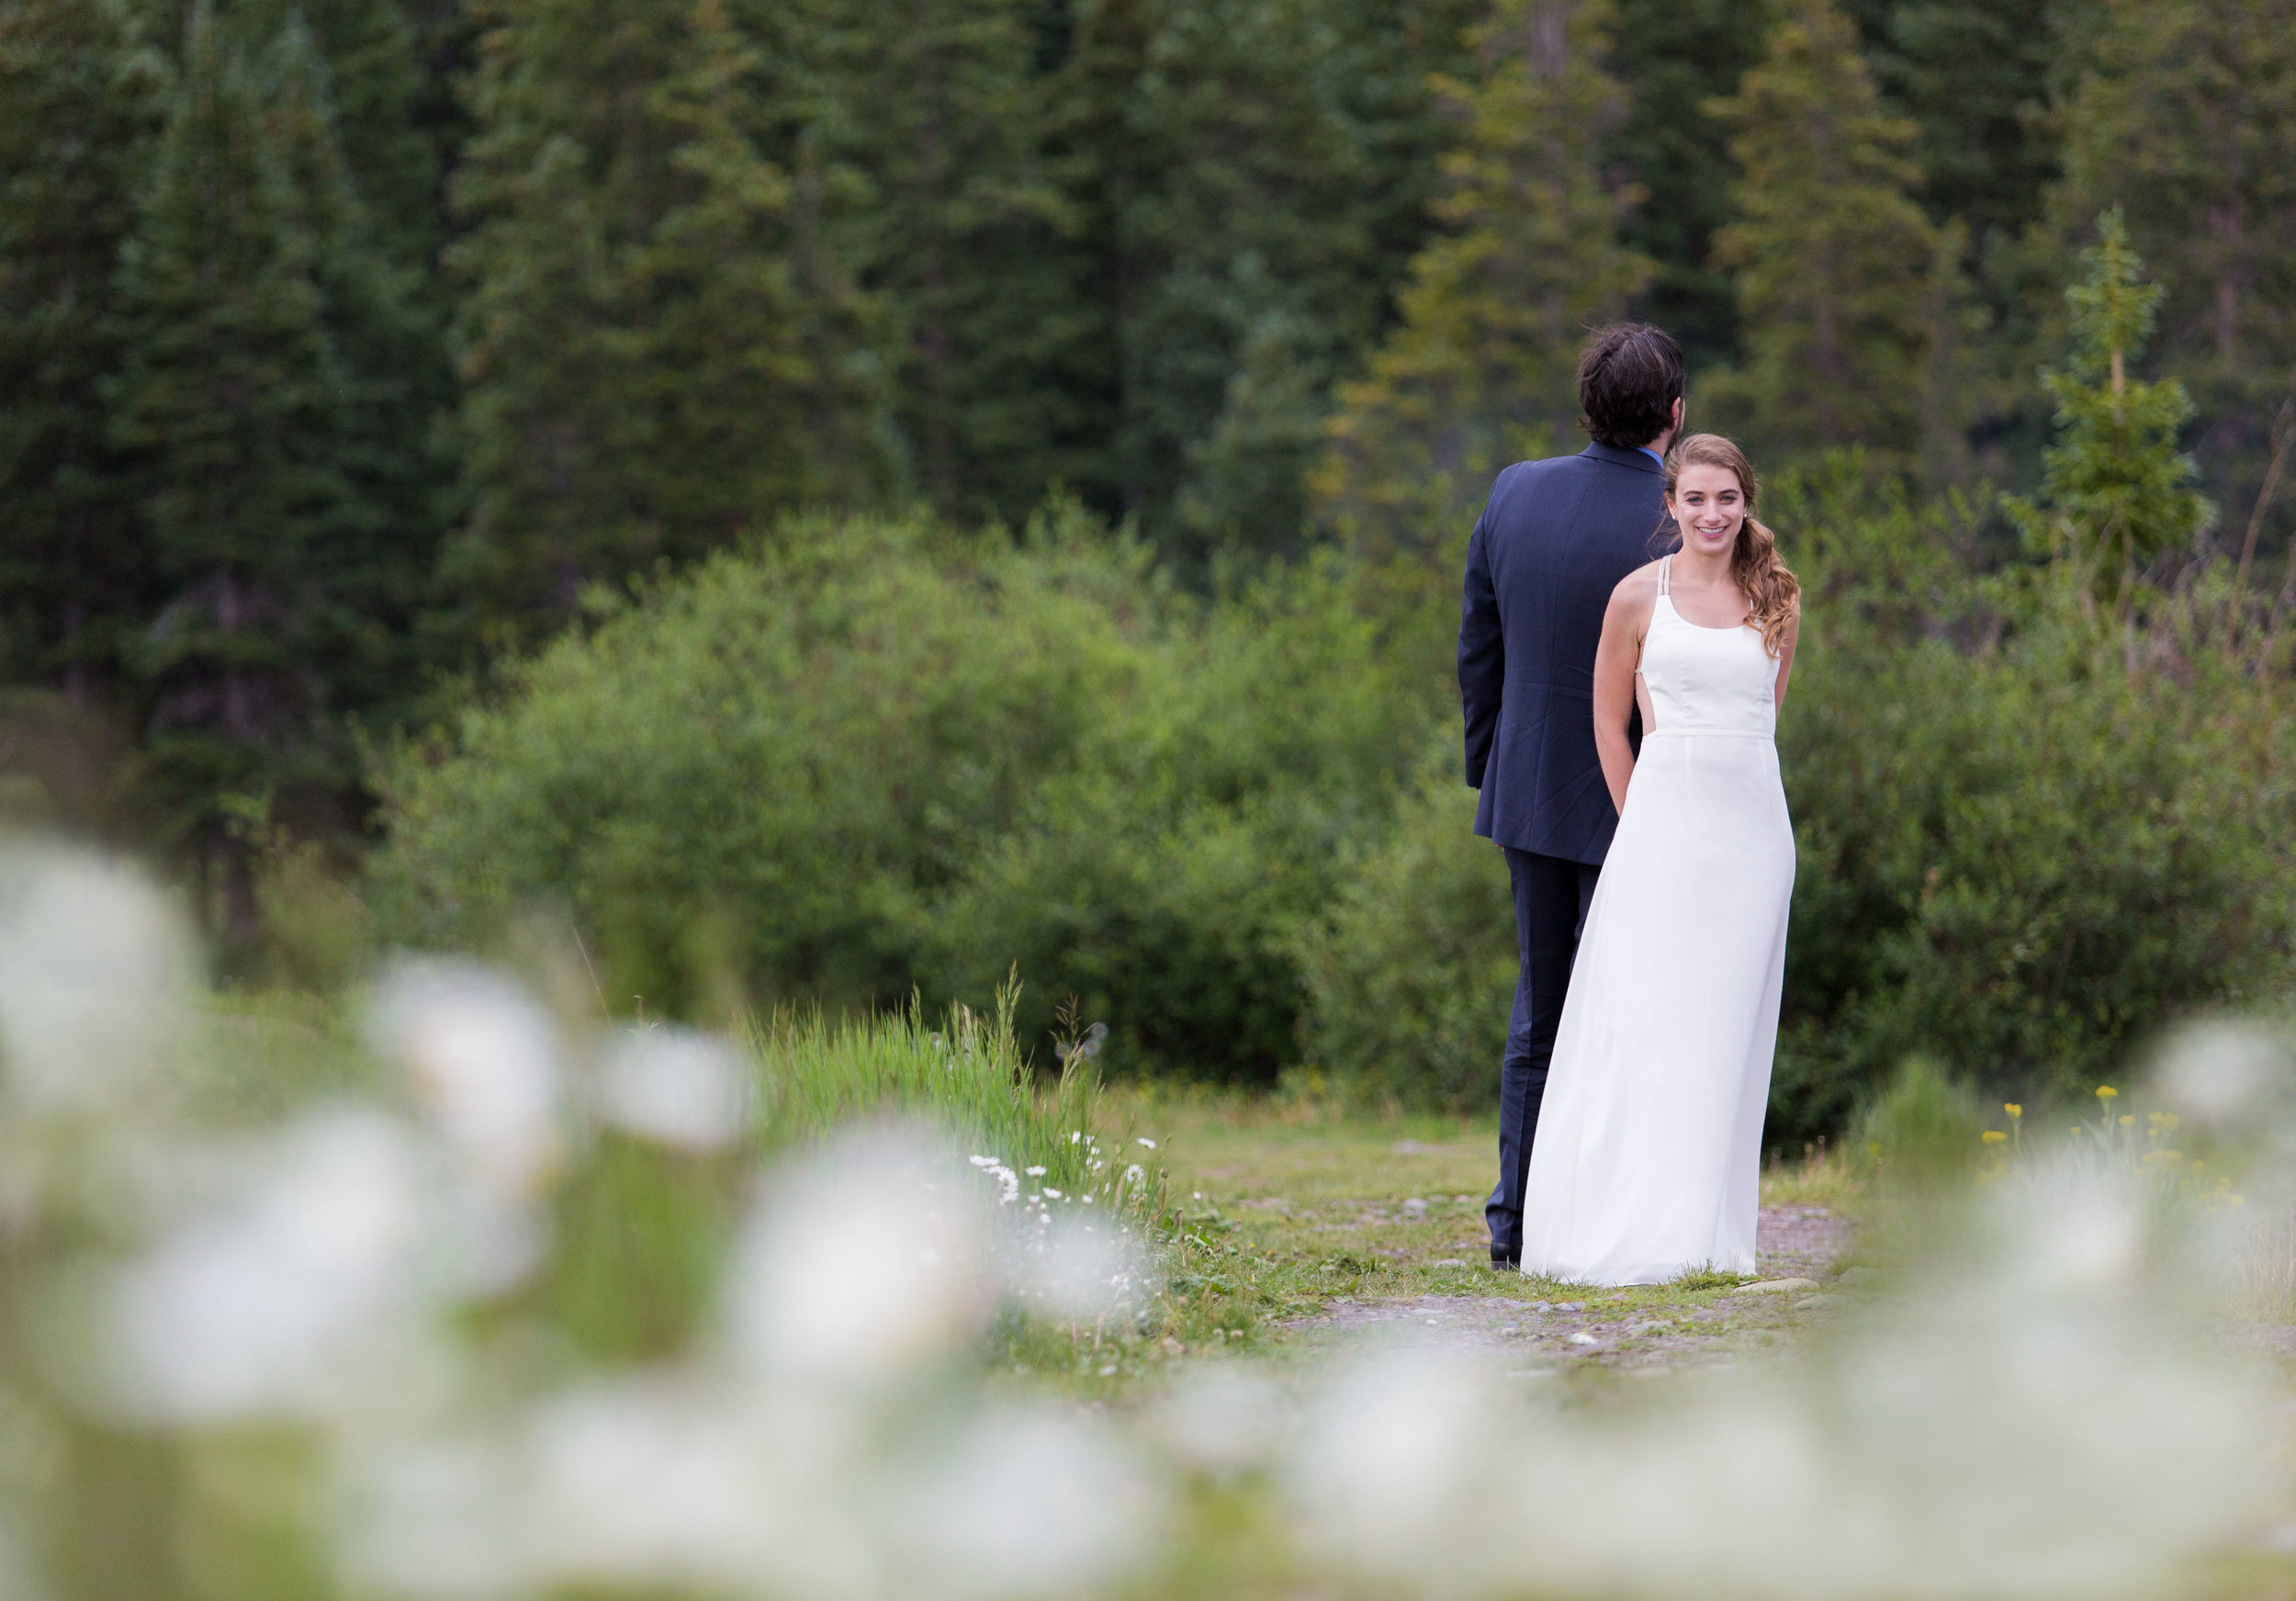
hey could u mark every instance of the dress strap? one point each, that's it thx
(1666, 571)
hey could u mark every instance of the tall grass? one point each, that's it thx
(967, 1077)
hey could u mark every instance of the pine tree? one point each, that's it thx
(942, 110)
(375, 84)
(378, 555)
(1481, 368)
(1670, 56)
(660, 348)
(235, 403)
(1974, 77)
(2115, 491)
(1252, 176)
(1325, 233)
(2184, 119)
(1841, 280)
(80, 106)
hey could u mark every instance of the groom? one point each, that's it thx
(1554, 541)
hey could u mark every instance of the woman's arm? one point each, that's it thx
(1786, 656)
(1624, 621)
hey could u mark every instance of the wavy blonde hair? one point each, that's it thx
(1773, 595)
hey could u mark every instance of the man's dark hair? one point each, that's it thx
(1631, 374)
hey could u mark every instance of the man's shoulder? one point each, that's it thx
(1531, 483)
(1575, 461)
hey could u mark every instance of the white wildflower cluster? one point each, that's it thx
(1007, 1181)
(1059, 1261)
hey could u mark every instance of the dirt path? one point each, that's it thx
(1650, 1330)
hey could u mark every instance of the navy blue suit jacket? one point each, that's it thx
(1552, 543)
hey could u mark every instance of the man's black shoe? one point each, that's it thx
(1501, 1262)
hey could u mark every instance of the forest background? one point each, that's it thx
(826, 501)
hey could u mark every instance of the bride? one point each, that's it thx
(1647, 1158)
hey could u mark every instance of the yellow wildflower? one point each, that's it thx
(2011, 1108)
(2105, 1092)
(1993, 1136)
(2126, 1120)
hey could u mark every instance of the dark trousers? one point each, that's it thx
(1551, 897)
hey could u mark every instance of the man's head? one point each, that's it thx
(1630, 384)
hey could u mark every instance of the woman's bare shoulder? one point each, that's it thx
(1637, 592)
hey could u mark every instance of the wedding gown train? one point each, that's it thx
(1648, 1158)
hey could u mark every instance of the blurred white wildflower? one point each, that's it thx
(1075, 1267)
(852, 1269)
(2216, 1072)
(484, 1058)
(1032, 1501)
(95, 969)
(651, 1483)
(1384, 1468)
(677, 1088)
(1221, 1420)
(283, 1302)
(431, 1517)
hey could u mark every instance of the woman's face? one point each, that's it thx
(1709, 505)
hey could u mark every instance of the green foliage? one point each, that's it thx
(657, 351)
(2183, 116)
(1670, 56)
(2018, 857)
(2116, 491)
(1251, 176)
(1846, 292)
(1482, 364)
(887, 758)
(79, 104)
(960, 231)
(376, 81)
(1412, 966)
(1922, 1127)
(263, 425)
(1974, 77)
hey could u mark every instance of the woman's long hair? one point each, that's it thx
(1773, 595)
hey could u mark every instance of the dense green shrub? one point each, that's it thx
(2021, 851)
(1412, 969)
(883, 756)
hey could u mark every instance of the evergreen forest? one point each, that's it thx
(829, 501)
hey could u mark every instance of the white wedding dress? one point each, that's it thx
(1647, 1158)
